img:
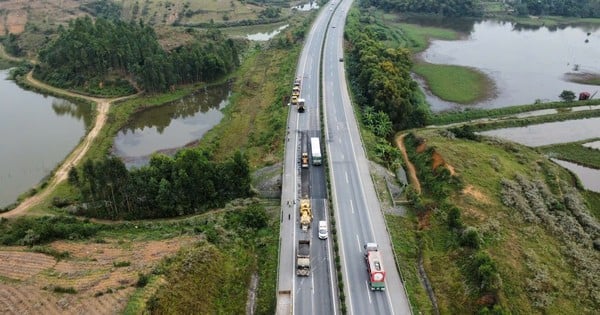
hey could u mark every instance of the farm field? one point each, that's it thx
(95, 278)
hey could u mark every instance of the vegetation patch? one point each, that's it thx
(507, 248)
(457, 84)
(574, 152)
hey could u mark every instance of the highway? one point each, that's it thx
(356, 206)
(357, 211)
(316, 294)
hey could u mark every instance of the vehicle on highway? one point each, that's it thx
(315, 147)
(301, 102)
(303, 258)
(305, 214)
(304, 152)
(323, 233)
(374, 267)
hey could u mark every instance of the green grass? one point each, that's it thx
(575, 152)
(593, 201)
(519, 249)
(472, 114)
(419, 36)
(404, 238)
(455, 83)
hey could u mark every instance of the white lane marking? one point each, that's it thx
(369, 290)
(358, 242)
(351, 206)
(347, 180)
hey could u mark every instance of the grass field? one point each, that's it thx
(575, 152)
(538, 273)
(420, 36)
(455, 83)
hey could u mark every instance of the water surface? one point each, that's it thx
(589, 177)
(550, 133)
(36, 133)
(172, 126)
(593, 145)
(265, 36)
(526, 64)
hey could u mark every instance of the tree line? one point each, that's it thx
(574, 8)
(437, 7)
(90, 50)
(187, 183)
(380, 78)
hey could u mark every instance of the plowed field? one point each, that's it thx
(28, 280)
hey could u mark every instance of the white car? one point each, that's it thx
(323, 230)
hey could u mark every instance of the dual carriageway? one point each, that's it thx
(356, 208)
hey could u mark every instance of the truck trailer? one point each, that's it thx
(375, 267)
(303, 258)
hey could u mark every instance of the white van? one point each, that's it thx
(323, 230)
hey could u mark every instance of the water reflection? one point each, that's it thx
(36, 133)
(550, 133)
(525, 65)
(80, 112)
(589, 177)
(267, 35)
(172, 126)
(312, 5)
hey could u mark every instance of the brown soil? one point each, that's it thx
(424, 220)
(101, 287)
(478, 195)
(410, 168)
(15, 14)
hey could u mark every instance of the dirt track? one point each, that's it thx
(102, 108)
(412, 173)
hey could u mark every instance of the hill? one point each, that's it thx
(499, 228)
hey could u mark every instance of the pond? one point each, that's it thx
(550, 133)
(312, 5)
(525, 63)
(589, 177)
(37, 132)
(170, 127)
(265, 36)
(593, 145)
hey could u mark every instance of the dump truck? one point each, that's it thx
(305, 214)
(304, 151)
(303, 258)
(375, 267)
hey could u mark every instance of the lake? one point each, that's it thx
(172, 126)
(526, 63)
(37, 132)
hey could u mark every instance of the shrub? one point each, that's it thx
(142, 281)
(470, 238)
(118, 264)
(69, 290)
(454, 219)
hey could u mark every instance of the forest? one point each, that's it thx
(474, 8)
(89, 52)
(380, 77)
(188, 183)
(438, 7)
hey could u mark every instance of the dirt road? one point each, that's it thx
(412, 173)
(102, 108)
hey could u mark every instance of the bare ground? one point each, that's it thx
(29, 279)
(410, 168)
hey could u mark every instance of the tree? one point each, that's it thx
(567, 96)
